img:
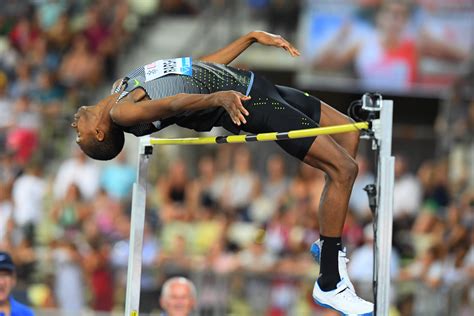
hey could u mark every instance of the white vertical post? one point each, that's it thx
(384, 212)
(137, 225)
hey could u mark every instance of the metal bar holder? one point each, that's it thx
(383, 221)
(137, 225)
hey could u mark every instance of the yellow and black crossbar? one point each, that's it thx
(272, 136)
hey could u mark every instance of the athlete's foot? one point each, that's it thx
(343, 300)
(342, 262)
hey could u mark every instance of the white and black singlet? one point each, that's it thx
(272, 108)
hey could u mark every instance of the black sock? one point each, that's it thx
(329, 271)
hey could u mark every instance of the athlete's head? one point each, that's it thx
(97, 135)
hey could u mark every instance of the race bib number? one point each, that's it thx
(160, 68)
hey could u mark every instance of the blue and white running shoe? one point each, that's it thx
(343, 300)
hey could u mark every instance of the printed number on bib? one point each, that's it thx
(163, 67)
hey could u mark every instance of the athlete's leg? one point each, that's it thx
(349, 141)
(334, 155)
(322, 113)
(270, 112)
(341, 170)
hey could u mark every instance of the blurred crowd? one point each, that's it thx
(53, 55)
(241, 233)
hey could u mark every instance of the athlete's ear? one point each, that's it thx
(99, 135)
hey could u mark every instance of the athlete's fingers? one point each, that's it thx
(243, 110)
(241, 106)
(236, 112)
(294, 52)
(289, 47)
(242, 118)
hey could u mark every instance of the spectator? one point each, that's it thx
(41, 57)
(205, 188)
(261, 208)
(69, 213)
(100, 276)
(23, 137)
(79, 170)
(277, 181)
(23, 83)
(386, 57)
(105, 212)
(407, 191)
(150, 255)
(24, 33)
(60, 34)
(6, 113)
(69, 277)
(178, 297)
(362, 259)
(49, 95)
(174, 191)
(6, 208)
(241, 183)
(117, 178)
(80, 66)
(28, 194)
(8, 305)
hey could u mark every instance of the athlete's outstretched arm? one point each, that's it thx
(230, 52)
(128, 113)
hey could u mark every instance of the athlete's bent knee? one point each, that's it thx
(346, 171)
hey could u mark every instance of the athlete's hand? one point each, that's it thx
(231, 101)
(270, 39)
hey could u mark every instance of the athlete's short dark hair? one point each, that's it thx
(107, 149)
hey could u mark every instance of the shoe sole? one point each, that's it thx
(342, 314)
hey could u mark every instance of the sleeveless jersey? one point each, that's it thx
(169, 77)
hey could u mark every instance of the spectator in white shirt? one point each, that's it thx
(361, 263)
(28, 193)
(79, 170)
(407, 191)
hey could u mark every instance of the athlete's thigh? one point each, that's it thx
(269, 114)
(321, 112)
(302, 101)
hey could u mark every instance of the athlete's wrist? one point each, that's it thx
(252, 36)
(213, 99)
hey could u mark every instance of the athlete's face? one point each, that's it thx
(93, 121)
(84, 123)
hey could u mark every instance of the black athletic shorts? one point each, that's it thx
(274, 108)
